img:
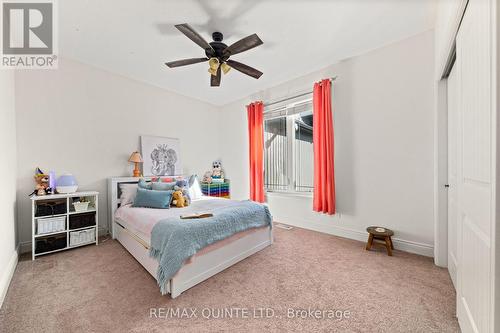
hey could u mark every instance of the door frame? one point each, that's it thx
(443, 68)
(452, 187)
(441, 174)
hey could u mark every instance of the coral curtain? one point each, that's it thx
(324, 169)
(255, 112)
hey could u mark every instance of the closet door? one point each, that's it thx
(476, 169)
(453, 149)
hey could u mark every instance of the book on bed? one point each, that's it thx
(196, 216)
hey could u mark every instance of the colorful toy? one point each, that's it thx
(42, 183)
(217, 170)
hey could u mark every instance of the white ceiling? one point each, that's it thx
(135, 38)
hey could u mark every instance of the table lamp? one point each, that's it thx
(136, 158)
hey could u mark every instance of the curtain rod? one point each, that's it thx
(292, 97)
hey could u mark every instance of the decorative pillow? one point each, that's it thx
(128, 193)
(153, 199)
(163, 186)
(165, 179)
(195, 188)
(144, 184)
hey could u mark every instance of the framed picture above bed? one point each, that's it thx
(161, 156)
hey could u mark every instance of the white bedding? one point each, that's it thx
(140, 221)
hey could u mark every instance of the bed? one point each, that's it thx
(132, 228)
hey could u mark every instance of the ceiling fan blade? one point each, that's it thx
(190, 33)
(184, 62)
(243, 44)
(215, 79)
(244, 69)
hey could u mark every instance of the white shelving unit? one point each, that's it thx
(68, 215)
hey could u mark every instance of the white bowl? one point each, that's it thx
(66, 189)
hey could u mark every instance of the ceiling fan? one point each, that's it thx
(217, 54)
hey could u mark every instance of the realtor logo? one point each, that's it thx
(28, 34)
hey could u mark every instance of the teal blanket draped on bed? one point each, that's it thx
(174, 240)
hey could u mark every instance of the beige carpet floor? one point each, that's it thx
(103, 289)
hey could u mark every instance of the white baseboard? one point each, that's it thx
(24, 247)
(7, 274)
(399, 244)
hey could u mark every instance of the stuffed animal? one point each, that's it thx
(178, 199)
(182, 185)
(207, 177)
(42, 183)
(217, 170)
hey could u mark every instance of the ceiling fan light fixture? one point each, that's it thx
(217, 54)
(213, 63)
(225, 67)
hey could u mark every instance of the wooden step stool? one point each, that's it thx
(383, 237)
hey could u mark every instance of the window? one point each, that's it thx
(288, 148)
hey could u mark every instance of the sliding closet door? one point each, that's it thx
(453, 149)
(476, 170)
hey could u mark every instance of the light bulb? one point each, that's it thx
(225, 67)
(213, 63)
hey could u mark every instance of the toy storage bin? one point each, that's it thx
(81, 206)
(50, 224)
(83, 220)
(50, 207)
(50, 243)
(81, 237)
(220, 190)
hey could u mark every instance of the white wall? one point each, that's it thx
(8, 251)
(87, 121)
(383, 105)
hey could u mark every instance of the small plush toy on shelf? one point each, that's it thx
(42, 183)
(207, 177)
(217, 173)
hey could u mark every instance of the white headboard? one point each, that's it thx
(114, 194)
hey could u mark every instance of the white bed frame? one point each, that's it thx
(201, 267)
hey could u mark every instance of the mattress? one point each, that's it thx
(140, 221)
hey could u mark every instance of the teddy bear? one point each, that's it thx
(42, 184)
(207, 177)
(178, 199)
(42, 181)
(217, 170)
